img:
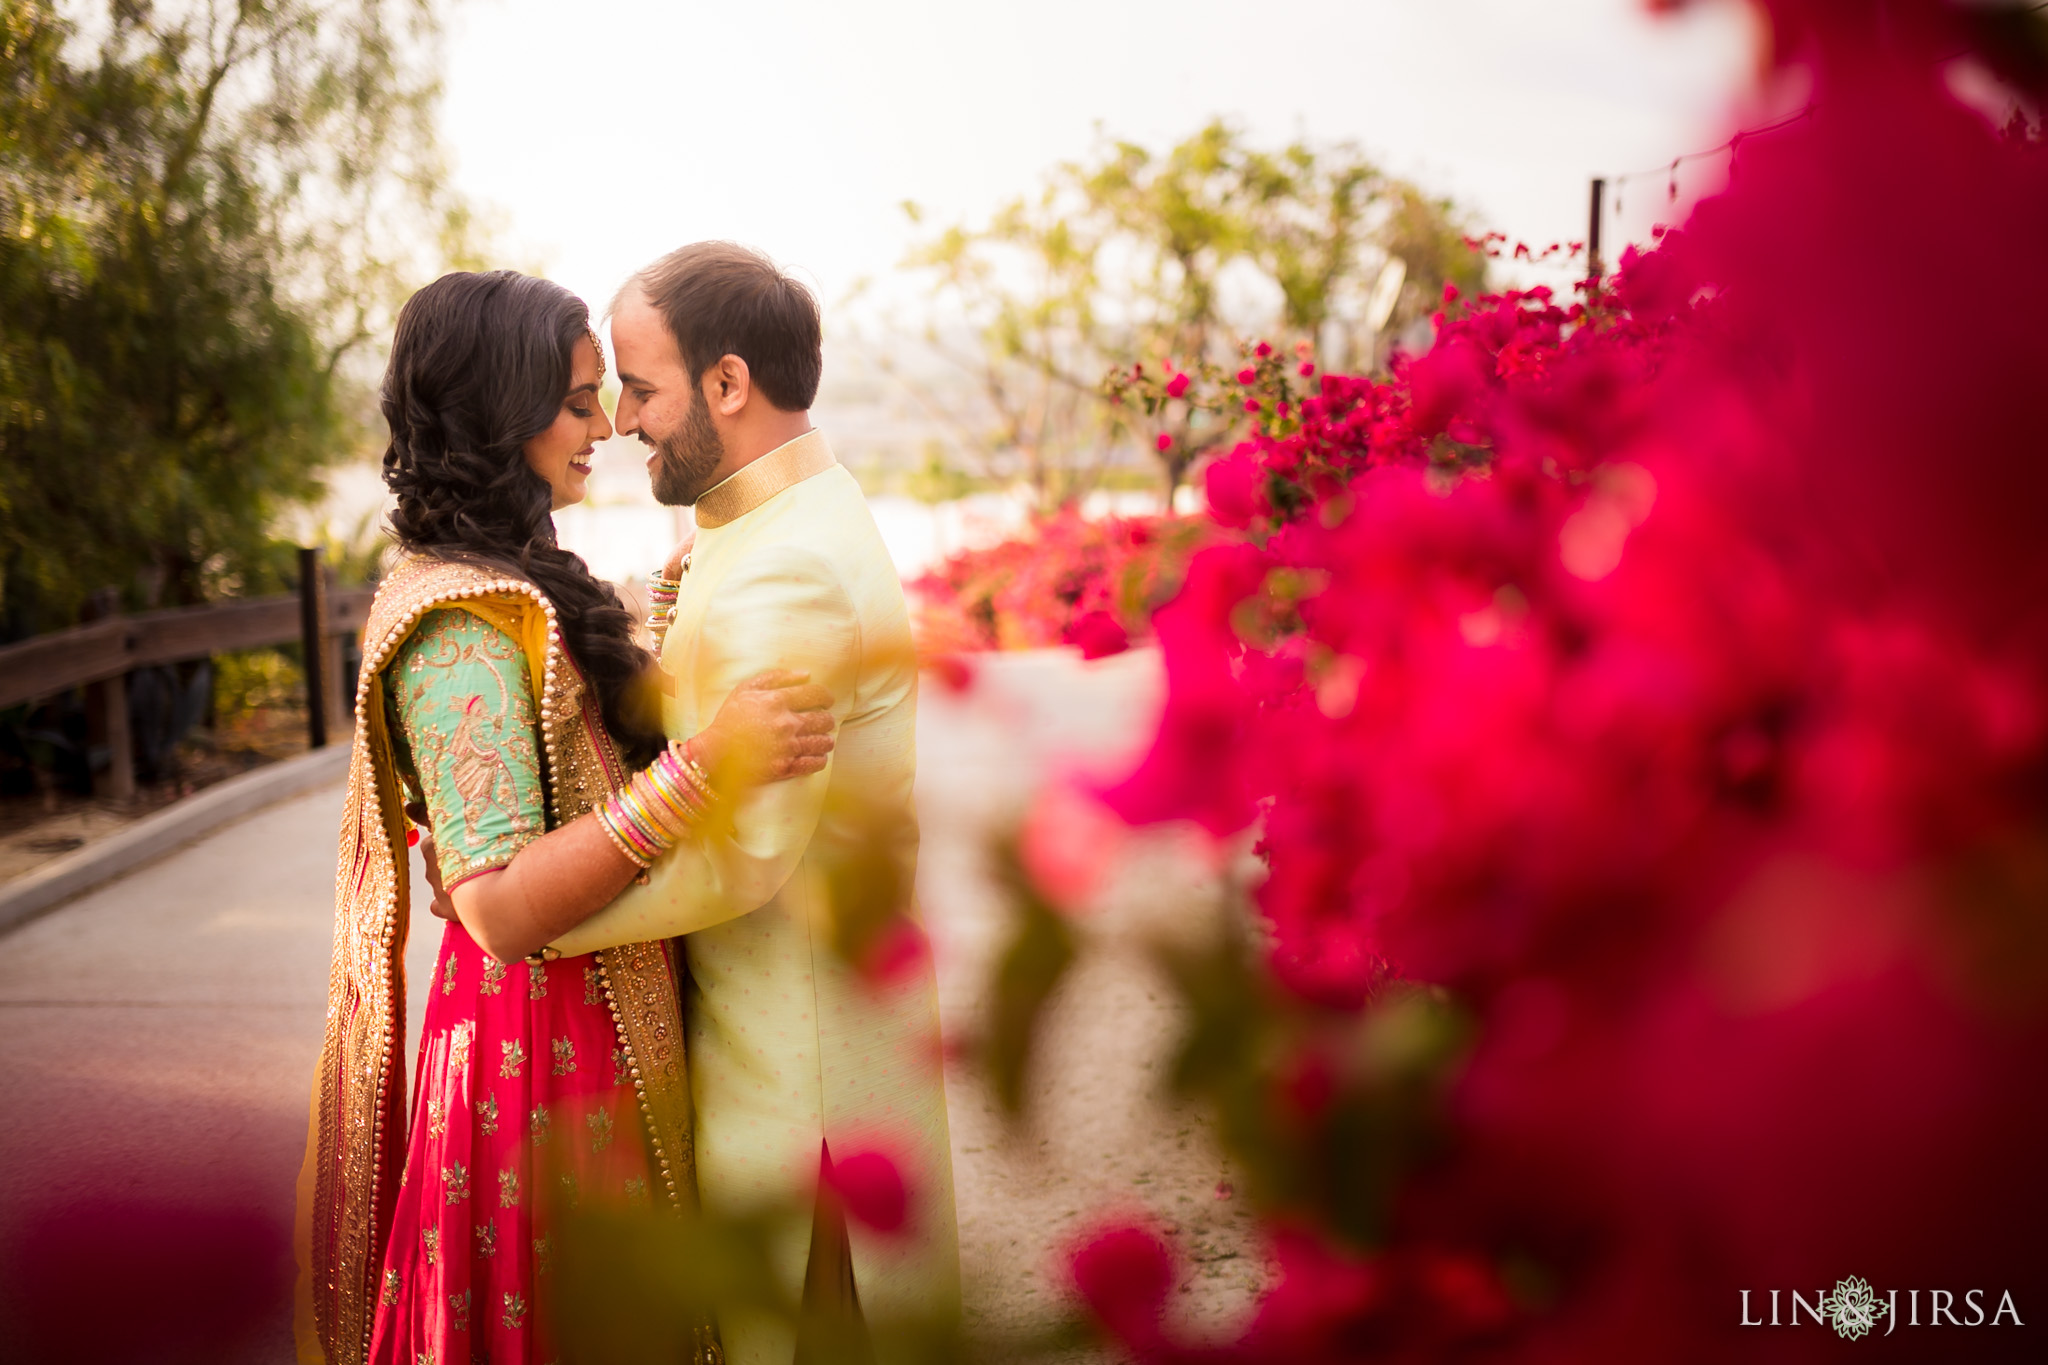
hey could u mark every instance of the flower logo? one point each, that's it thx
(1853, 1308)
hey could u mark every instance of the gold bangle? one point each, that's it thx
(680, 749)
(619, 841)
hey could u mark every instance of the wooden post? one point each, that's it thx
(313, 642)
(332, 684)
(1593, 229)
(106, 709)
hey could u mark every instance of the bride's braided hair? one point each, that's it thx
(479, 366)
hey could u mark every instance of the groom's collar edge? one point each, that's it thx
(784, 467)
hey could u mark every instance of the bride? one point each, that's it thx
(503, 703)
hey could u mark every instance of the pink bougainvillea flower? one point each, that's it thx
(955, 672)
(1441, 383)
(1099, 634)
(897, 953)
(1231, 485)
(1164, 440)
(1410, 1305)
(871, 1186)
(1124, 1273)
(1177, 386)
(1197, 766)
(1068, 843)
(1247, 375)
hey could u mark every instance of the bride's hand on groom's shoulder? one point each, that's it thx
(774, 726)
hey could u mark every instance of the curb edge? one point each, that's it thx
(168, 830)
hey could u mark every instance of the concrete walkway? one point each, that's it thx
(160, 1035)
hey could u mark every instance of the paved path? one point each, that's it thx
(160, 1033)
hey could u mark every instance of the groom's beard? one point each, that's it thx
(687, 457)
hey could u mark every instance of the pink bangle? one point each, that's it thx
(657, 808)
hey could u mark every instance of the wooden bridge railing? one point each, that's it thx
(99, 656)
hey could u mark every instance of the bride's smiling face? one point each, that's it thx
(561, 454)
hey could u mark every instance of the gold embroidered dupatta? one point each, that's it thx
(355, 1149)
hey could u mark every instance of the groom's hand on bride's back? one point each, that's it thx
(774, 726)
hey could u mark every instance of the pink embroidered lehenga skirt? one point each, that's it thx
(523, 1104)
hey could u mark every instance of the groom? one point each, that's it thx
(794, 1058)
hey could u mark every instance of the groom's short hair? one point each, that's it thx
(719, 299)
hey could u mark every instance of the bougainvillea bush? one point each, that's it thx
(1069, 579)
(1642, 704)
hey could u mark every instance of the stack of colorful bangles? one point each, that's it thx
(661, 604)
(656, 810)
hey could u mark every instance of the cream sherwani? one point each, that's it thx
(787, 1046)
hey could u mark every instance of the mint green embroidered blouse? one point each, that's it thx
(465, 729)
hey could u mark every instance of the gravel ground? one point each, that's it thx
(1100, 1136)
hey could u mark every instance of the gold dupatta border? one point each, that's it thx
(355, 1147)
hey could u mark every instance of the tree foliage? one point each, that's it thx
(1135, 255)
(206, 211)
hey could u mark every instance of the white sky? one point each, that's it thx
(609, 131)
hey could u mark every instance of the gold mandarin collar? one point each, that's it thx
(784, 467)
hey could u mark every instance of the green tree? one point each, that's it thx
(1131, 257)
(206, 211)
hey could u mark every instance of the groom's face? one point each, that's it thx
(659, 404)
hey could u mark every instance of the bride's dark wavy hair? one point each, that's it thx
(480, 365)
